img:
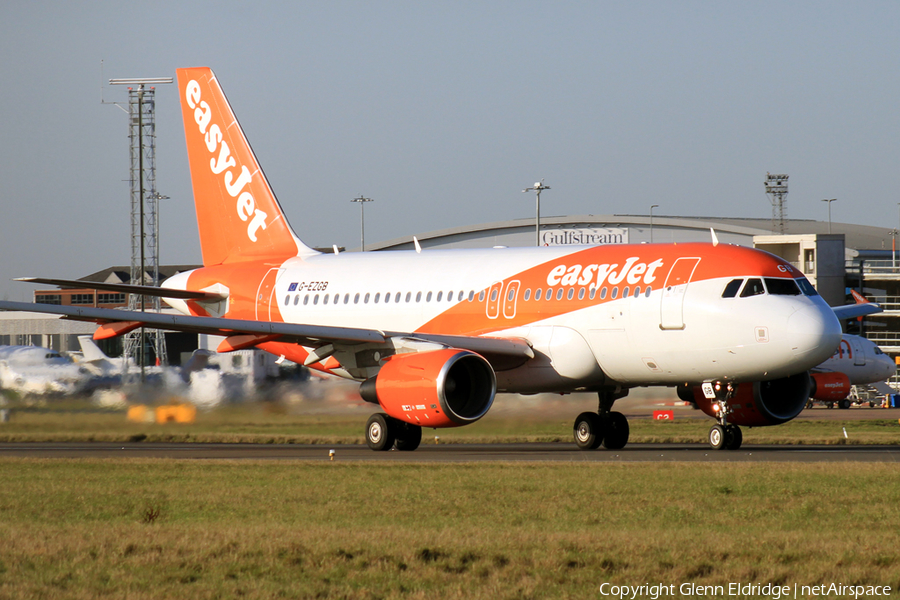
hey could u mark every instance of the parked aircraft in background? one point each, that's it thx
(857, 361)
(37, 370)
(434, 334)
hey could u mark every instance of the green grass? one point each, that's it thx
(226, 529)
(274, 423)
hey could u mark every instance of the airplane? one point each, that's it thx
(857, 361)
(38, 371)
(433, 335)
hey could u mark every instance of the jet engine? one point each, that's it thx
(440, 388)
(829, 386)
(761, 403)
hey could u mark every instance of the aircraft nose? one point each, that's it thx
(814, 332)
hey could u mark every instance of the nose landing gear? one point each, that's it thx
(723, 435)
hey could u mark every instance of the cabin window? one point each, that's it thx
(615, 293)
(603, 294)
(625, 292)
(581, 294)
(511, 294)
(537, 293)
(397, 298)
(732, 288)
(782, 287)
(346, 298)
(428, 297)
(366, 298)
(439, 296)
(296, 299)
(377, 297)
(559, 294)
(450, 296)
(527, 294)
(387, 297)
(325, 299)
(419, 297)
(471, 295)
(481, 296)
(461, 294)
(287, 299)
(305, 300)
(647, 293)
(593, 293)
(753, 287)
(356, 298)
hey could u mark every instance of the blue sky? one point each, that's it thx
(444, 112)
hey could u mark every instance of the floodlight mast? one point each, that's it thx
(538, 187)
(829, 201)
(652, 206)
(362, 220)
(777, 189)
(142, 133)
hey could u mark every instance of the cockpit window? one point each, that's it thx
(806, 286)
(782, 287)
(732, 288)
(878, 350)
(754, 287)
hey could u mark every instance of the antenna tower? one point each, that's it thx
(144, 214)
(777, 190)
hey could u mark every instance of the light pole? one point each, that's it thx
(362, 220)
(829, 201)
(893, 234)
(538, 187)
(652, 206)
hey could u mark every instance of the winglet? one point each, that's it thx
(418, 247)
(715, 239)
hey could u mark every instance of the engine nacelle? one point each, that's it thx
(762, 403)
(829, 386)
(441, 388)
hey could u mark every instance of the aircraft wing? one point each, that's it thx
(115, 322)
(851, 311)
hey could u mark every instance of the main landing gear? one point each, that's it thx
(723, 435)
(604, 427)
(384, 432)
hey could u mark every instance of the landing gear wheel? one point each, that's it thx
(379, 433)
(409, 436)
(845, 403)
(717, 437)
(588, 431)
(616, 435)
(733, 437)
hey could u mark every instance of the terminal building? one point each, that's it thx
(836, 257)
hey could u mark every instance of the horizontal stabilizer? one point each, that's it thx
(850, 311)
(139, 290)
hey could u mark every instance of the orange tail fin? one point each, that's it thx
(237, 213)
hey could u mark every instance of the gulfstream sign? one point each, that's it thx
(584, 237)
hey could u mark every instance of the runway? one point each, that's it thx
(536, 452)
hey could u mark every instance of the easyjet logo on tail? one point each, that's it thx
(632, 271)
(222, 162)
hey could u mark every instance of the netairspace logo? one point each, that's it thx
(743, 590)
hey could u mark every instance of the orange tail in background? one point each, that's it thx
(237, 213)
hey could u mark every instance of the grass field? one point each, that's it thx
(274, 423)
(189, 529)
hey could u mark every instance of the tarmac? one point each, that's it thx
(453, 453)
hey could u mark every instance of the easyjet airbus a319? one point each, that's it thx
(433, 335)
